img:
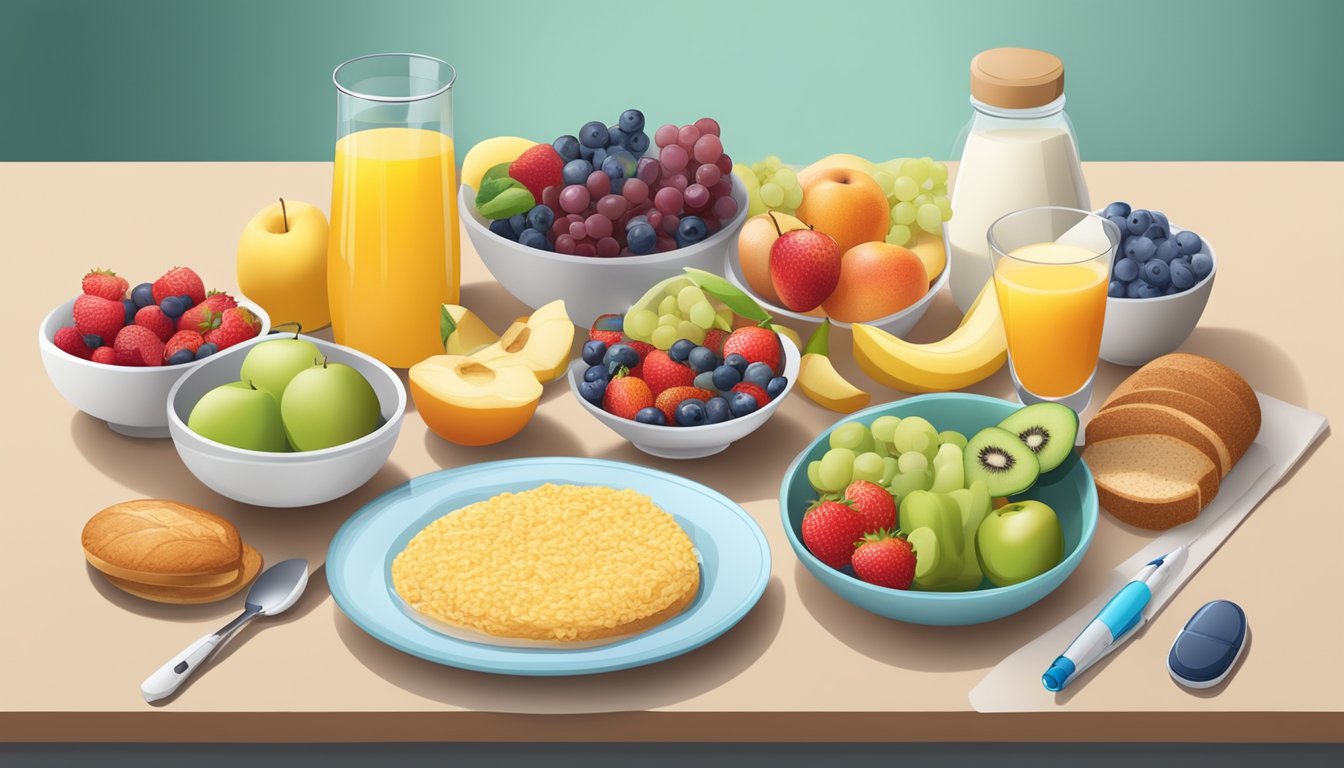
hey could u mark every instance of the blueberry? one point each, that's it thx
(1182, 276)
(632, 120)
(1125, 270)
(1140, 249)
(637, 142)
(1188, 243)
(615, 138)
(702, 359)
(690, 413)
(1157, 274)
(1121, 223)
(534, 239)
(651, 415)
(1116, 290)
(1202, 264)
(593, 135)
(541, 218)
(1132, 290)
(205, 350)
(740, 404)
(142, 295)
(1139, 221)
(173, 307)
(593, 352)
(776, 386)
(131, 308)
(599, 157)
(705, 381)
(633, 220)
(716, 410)
(691, 230)
(586, 152)
(681, 350)
(1170, 289)
(593, 391)
(758, 374)
(181, 356)
(576, 171)
(624, 162)
(517, 222)
(1147, 291)
(726, 377)
(1160, 218)
(617, 185)
(1166, 250)
(737, 361)
(93, 340)
(501, 227)
(620, 356)
(612, 167)
(1155, 232)
(567, 147)
(1118, 208)
(596, 372)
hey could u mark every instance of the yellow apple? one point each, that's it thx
(541, 343)
(282, 263)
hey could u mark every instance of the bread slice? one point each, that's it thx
(153, 541)
(1234, 431)
(1152, 481)
(250, 567)
(1143, 419)
(1216, 371)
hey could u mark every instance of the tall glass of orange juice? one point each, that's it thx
(1052, 266)
(392, 256)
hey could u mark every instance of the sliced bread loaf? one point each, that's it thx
(1233, 429)
(1144, 419)
(1216, 371)
(1152, 481)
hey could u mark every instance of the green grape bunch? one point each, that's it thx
(916, 190)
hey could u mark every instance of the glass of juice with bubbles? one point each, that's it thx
(392, 258)
(1051, 269)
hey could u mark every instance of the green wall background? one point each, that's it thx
(250, 79)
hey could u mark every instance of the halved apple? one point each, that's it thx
(473, 402)
(541, 343)
(463, 332)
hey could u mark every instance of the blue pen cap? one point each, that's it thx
(1057, 676)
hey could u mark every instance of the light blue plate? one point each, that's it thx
(734, 564)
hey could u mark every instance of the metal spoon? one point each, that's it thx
(274, 591)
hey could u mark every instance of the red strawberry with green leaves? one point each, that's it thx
(762, 399)
(884, 559)
(70, 341)
(236, 325)
(626, 396)
(152, 317)
(830, 529)
(179, 281)
(668, 400)
(207, 314)
(106, 284)
(137, 345)
(189, 340)
(96, 315)
(661, 372)
(538, 168)
(757, 345)
(608, 329)
(874, 503)
(714, 339)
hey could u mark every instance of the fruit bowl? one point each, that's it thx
(688, 442)
(284, 479)
(898, 324)
(590, 285)
(131, 400)
(1069, 490)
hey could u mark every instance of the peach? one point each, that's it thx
(876, 279)
(753, 251)
(847, 205)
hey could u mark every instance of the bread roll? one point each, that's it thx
(163, 543)
(251, 566)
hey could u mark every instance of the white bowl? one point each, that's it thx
(284, 479)
(1139, 330)
(590, 285)
(130, 399)
(689, 442)
(898, 324)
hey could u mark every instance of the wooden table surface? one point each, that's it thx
(803, 665)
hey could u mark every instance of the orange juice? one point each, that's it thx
(392, 260)
(1053, 300)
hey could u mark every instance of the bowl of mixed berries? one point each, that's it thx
(595, 217)
(114, 351)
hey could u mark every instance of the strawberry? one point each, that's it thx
(757, 345)
(179, 281)
(626, 396)
(190, 340)
(70, 341)
(105, 355)
(152, 317)
(236, 325)
(714, 339)
(104, 317)
(830, 529)
(139, 346)
(607, 329)
(804, 268)
(538, 168)
(661, 372)
(207, 314)
(643, 348)
(762, 399)
(106, 284)
(884, 559)
(874, 503)
(669, 399)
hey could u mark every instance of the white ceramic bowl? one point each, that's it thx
(131, 400)
(590, 285)
(1139, 330)
(689, 442)
(284, 479)
(898, 324)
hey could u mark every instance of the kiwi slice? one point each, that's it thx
(1048, 429)
(1001, 460)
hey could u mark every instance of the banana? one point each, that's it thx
(820, 381)
(971, 353)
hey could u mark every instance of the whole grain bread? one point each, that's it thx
(1230, 423)
(1152, 481)
(1144, 419)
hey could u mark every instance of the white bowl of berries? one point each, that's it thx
(123, 376)
(603, 215)
(689, 401)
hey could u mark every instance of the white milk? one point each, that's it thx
(1004, 170)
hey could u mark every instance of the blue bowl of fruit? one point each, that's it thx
(1161, 279)
(595, 218)
(942, 509)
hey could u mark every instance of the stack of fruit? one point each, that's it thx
(168, 322)
(1151, 261)
(597, 194)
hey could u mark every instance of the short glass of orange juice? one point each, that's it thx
(1052, 266)
(392, 255)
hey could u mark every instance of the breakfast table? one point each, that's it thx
(804, 665)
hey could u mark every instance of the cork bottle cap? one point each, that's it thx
(1016, 78)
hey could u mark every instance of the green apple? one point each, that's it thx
(327, 405)
(240, 415)
(1019, 541)
(271, 364)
